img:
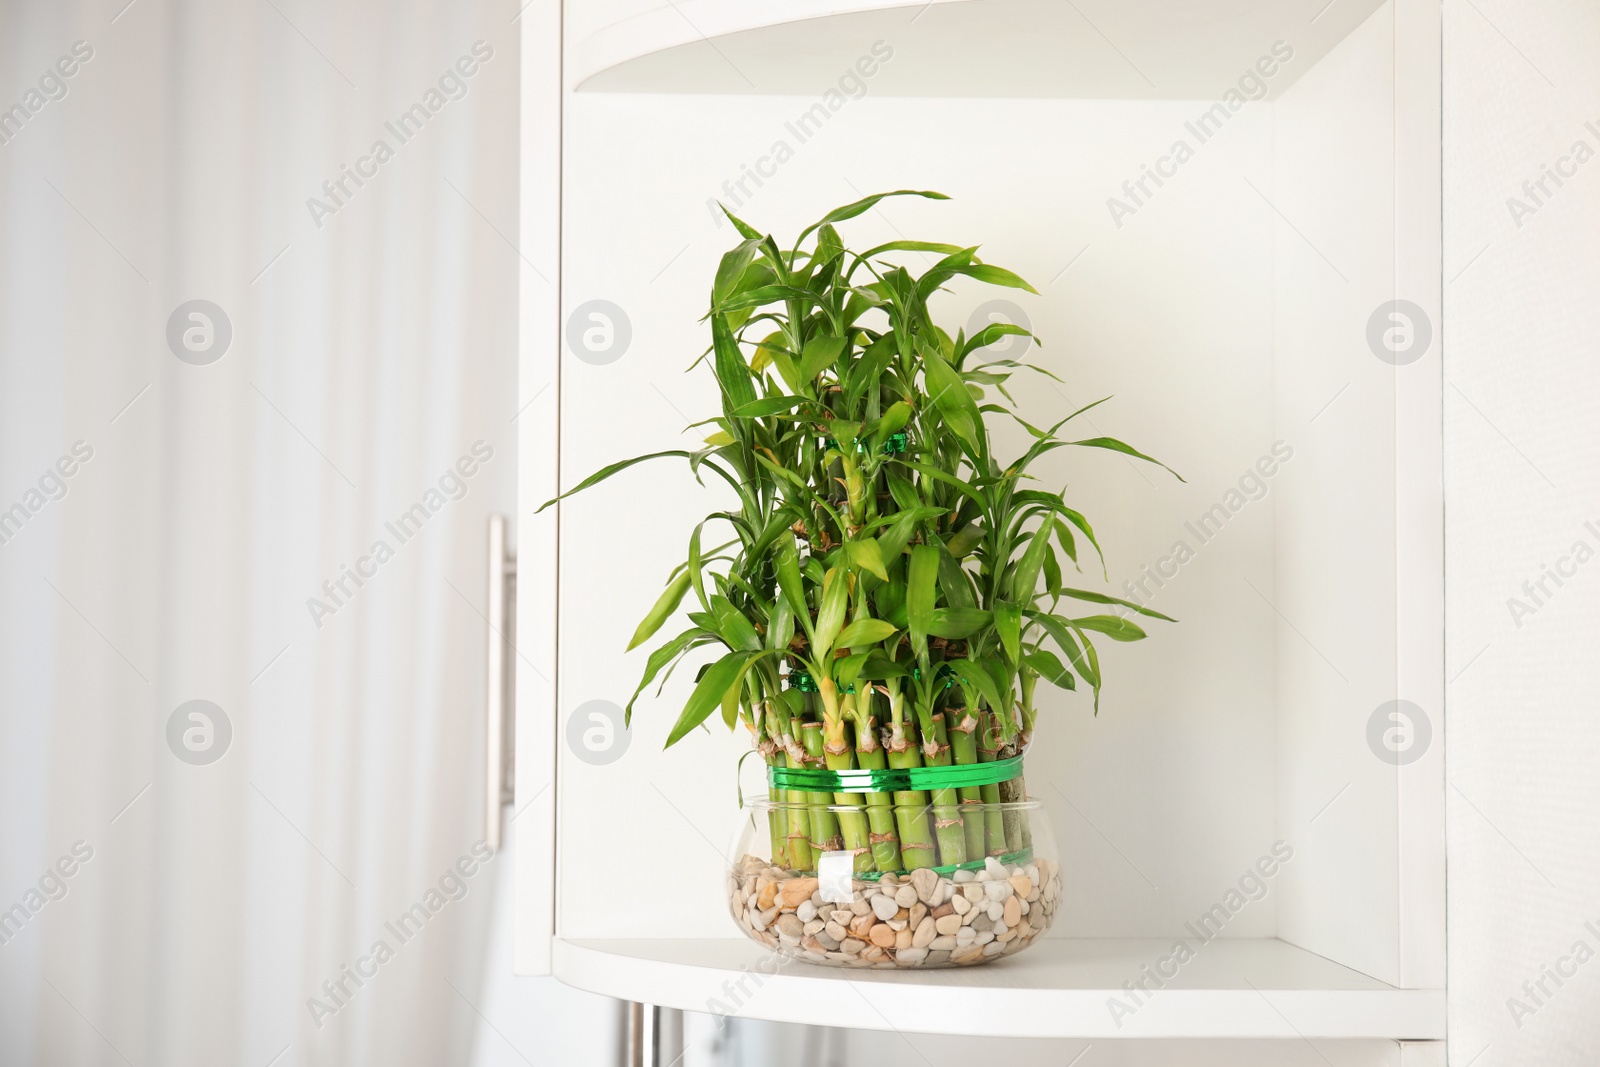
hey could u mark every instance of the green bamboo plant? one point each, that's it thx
(910, 582)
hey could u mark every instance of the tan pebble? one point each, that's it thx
(836, 930)
(943, 909)
(862, 924)
(905, 896)
(814, 926)
(903, 939)
(1013, 911)
(859, 907)
(790, 926)
(766, 893)
(926, 931)
(850, 946)
(1022, 884)
(942, 943)
(841, 915)
(873, 954)
(882, 935)
(1024, 929)
(947, 924)
(918, 910)
(959, 904)
(973, 891)
(968, 954)
(926, 883)
(797, 891)
(1007, 936)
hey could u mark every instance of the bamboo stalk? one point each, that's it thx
(946, 802)
(910, 805)
(994, 828)
(824, 825)
(963, 730)
(870, 756)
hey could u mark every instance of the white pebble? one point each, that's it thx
(963, 876)
(996, 909)
(906, 896)
(911, 955)
(961, 904)
(998, 890)
(966, 935)
(994, 948)
(985, 936)
(996, 869)
(884, 907)
(807, 911)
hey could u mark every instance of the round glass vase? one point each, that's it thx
(838, 910)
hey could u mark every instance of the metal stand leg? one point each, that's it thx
(654, 1036)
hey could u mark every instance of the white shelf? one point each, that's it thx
(1059, 988)
(1095, 49)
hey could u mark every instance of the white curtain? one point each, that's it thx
(168, 520)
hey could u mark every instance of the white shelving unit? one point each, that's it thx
(1227, 307)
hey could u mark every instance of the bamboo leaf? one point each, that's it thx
(1115, 445)
(950, 396)
(865, 632)
(958, 624)
(866, 203)
(768, 405)
(921, 585)
(1113, 626)
(1008, 624)
(973, 675)
(733, 374)
(724, 674)
(867, 556)
(1044, 663)
(664, 606)
(1101, 598)
(818, 355)
(831, 611)
(1026, 577)
(684, 642)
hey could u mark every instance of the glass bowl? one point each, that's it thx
(795, 888)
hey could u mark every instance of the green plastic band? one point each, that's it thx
(1024, 856)
(894, 780)
(802, 681)
(894, 443)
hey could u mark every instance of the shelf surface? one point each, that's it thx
(1059, 988)
(1095, 49)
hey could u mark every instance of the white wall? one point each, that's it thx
(1523, 385)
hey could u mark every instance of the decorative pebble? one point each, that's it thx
(796, 891)
(915, 920)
